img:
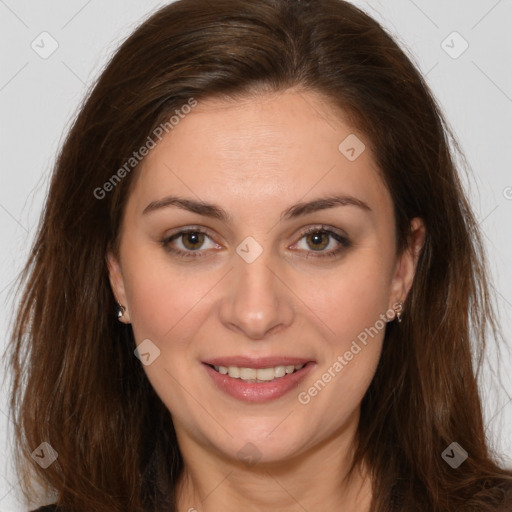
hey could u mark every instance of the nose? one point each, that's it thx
(257, 300)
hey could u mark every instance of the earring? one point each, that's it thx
(120, 310)
(399, 311)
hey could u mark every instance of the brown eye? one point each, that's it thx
(189, 243)
(318, 240)
(192, 240)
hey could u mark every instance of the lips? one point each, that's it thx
(257, 380)
(260, 362)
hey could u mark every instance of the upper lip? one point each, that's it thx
(256, 362)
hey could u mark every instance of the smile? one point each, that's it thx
(269, 381)
(253, 375)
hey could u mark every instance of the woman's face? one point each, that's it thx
(248, 290)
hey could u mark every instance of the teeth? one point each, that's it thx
(248, 373)
(280, 371)
(234, 371)
(265, 374)
(257, 374)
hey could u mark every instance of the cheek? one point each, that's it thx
(167, 300)
(352, 308)
(351, 303)
(165, 303)
(352, 298)
(152, 303)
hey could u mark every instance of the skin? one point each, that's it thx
(255, 158)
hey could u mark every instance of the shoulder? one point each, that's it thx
(47, 508)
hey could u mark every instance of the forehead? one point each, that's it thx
(269, 149)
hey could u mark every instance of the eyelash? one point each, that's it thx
(343, 241)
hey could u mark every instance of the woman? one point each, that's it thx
(257, 279)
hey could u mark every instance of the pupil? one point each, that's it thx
(317, 239)
(193, 239)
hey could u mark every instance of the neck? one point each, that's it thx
(318, 479)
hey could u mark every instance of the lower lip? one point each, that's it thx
(258, 391)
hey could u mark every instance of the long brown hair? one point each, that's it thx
(77, 384)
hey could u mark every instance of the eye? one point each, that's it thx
(190, 242)
(317, 239)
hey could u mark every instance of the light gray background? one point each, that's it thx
(39, 96)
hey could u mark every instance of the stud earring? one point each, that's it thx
(120, 310)
(399, 311)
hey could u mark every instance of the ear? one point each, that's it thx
(116, 278)
(405, 268)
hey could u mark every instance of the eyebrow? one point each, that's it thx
(216, 212)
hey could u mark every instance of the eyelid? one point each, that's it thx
(339, 235)
(183, 231)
